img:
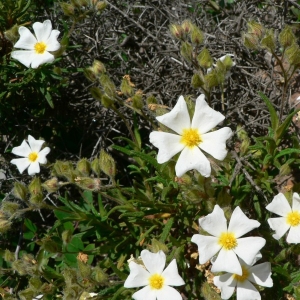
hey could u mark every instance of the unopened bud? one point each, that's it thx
(107, 84)
(84, 269)
(26, 293)
(67, 8)
(176, 31)
(51, 185)
(35, 186)
(12, 34)
(89, 74)
(250, 41)
(293, 54)
(197, 36)
(256, 29)
(197, 81)
(268, 41)
(100, 6)
(64, 169)
(126, 87)
(287, 37)
(84, 167)
(211, 79)
(137, 100)
(9, 256)
(50, 245)
(9, 208)
(99, 276)
(107, 101)
(36, 200)
(5, 225)
(96, 166)
(96, 93)
(204, 59)
(98, 67)
(187, 26)
(107, 164)
(151, 100)
(87, 183)
(186, 50)
(20, 191)
(66, 236)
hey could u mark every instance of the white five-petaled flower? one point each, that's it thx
(36, 47)
(191, 137)
(289, 220)
(33, 155)
(227, 241)
(259, 274)
(154, 278)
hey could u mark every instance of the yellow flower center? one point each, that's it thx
(156, 281)
(33, 156)
(227, 240)
(40, 47)
(293, 218)
(244, 276)
(191, 137)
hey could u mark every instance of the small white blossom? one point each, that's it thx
(259, 274)
(36, 46)
(227, 241)
(157, 282)
(289, 220)
(191, 137)
(32, 155)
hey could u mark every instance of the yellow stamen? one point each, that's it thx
(244, 276)
(191, 137)
(33, 156)
(156, 281)
(293, 218)
(227, 240)
(40, 47)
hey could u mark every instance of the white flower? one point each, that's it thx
(33, 155)
(156, 280)
(245, 290)
(289, 220)
(191, 137)
(227, 241)
(38, 297)
(36, 47)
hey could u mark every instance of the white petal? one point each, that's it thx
(246, 291)
(154, 262)
(205, 118)
(27, 39)
(34, 144)
(279, 225)
(34, 168)
(296, 202)
(214, 143)
(39, 59)
(279, 205)
(168, 293)
(240, 224)
(171, 275)
(226, 284)
(248, 248)
(138, 276)
(21, 163)
(42, 155)
(207, 246)
(25, 57)
(293, 236)
(42, 30)
(192, 159)
(227, 261)
(145, 293)
(52, 43)
(261, 274)
(168, 145)
(22, 150)
(214, 223)
(178, 118)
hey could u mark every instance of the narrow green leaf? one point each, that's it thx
(281, 130)
(287, 151)
(166, 230)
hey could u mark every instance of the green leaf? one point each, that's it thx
(281, 130)
(145, 234)
(166, 230)
(287, 151)
(274, 117)
(30, 225)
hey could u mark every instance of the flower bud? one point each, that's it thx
(96, 166)
(99, 276)
(204, 59)
(87, 183)
(84, 167)
(9, 256)
(12, 34)
(35, 283)
(84, 269)
(151, 100)
(186, 50)
(211, 79)
(96, 93)
(106, 101)
(126, 87)
(293, 54)
(100, 6)
(20, 191)
(50, 245)
(108, 85)
(51, 185)
(26, 294)
(89, 74)
(197, 36)
(287, 37)
(250, 41)
(107, 164)
(36, 200)
(67, 8)
(268, 42)
(64, 169)
(197, 81)
(5, 225)
(137, 100)
(9, 208)
(66, 236)
(98, 67)
(35, 186)
(177, 31)
(187, 26)
(256, 29)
